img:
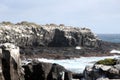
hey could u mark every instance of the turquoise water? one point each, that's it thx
(110, 37)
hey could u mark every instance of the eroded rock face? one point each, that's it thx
(46, 71)
(29, 34)
(10, 63)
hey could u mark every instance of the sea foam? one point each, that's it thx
(76, 65)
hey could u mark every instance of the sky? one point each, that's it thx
(101, 16)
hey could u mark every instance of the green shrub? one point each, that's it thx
(107, 61)
(27, 23)
(7, 23)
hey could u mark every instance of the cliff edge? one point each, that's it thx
(26, 34)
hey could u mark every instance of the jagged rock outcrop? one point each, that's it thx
(106, 71)
(11, 67)
(36, 70)
(10, 63)
(29, 34)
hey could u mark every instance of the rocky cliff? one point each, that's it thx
(29, 34)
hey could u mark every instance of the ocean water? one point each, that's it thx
(110, 37)
(77, 65)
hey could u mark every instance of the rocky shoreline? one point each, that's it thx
(69, 52)
(54, 41)
(59, 53)
(34, 69)
(11, 67)
(49, 41)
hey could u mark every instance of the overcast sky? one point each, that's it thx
(101, 16)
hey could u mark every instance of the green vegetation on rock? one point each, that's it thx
(107, 61)
(28, 24)
(7, 23)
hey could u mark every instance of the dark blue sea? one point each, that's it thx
(110, 37)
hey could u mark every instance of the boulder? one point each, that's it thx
(10, 63)
(36, 70)
(117, 66)
(103, 72)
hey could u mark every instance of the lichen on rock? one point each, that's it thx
(108, 61)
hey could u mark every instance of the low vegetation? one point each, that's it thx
(107, 61)
(7, 23)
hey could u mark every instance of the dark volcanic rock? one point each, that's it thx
(12, 69)
(45, 71)
(59, 39)
(77, 76)
(103, 72)
(10, 64)
(108, 46)
(37, 71)
(26, 34)
(37, 39)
